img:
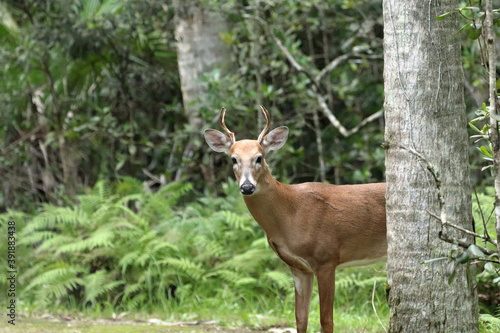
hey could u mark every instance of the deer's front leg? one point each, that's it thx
(326, 288)
(303, 289)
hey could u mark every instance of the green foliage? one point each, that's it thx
(89, 91)
(121, 243)
(489, 323)
(315, 33)
(123, 247)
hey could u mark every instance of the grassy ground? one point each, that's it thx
(32, 325)
(29, 325)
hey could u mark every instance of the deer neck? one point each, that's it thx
(270, 203)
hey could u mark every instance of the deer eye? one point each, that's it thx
(235, 161)
(258, 160)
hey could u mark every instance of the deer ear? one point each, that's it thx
(275, 139)
(217, 141)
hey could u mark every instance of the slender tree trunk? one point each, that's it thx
(494, 138)
(425, 111)
(199, 51)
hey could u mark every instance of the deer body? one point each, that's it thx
(313, 227)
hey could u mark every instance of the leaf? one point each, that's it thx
(463, 258)
(451, 270)
(474, 30)
(485, 151)
(495, 116)
(474, 127)
(443, 16)
(475, 251)
(486, 167)
(430, 261)
(475, 120)
(472, 9)
(489, 268)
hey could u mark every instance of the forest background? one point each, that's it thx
(119, 204)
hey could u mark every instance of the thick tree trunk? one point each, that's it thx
(199, 51)
(425, 111)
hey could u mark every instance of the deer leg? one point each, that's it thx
(303, 289)
(326, 288)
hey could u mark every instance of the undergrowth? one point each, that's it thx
(122, 248)
(179, 256)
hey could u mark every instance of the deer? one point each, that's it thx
(313, 227)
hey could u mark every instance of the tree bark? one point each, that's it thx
(199, 51)
(425, 112)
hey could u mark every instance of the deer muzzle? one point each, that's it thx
(247, 188)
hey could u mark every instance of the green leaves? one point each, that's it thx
(472, 14)
(125, 246)
(486, 149)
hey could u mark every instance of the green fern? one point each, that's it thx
(100, 283)
(101, 237)
(489, 323)
(185, 266)
(56, 282)
(125, 246)
(281, 279)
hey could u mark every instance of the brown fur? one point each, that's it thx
(313, 227)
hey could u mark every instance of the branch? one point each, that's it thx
(463, 244)
(332, 65)
(339, 60)
(467, 231)
(23, 137)
(294, 62)
(337, 124)
(317, 90)
(442, 217)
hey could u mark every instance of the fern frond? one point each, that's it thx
(55, 284)
(54, 243)
(102, 237)
(103, 190)
(237, 221)
(247, 261)
(54, 217)
(227, 276)
(137, 301)
(131, 289)
(128, 259)
(280, 279)
(99, 283)
(35, 238)
(246, 281)
(210, 248)
(186, 266)
(490, 322)
(54, 276)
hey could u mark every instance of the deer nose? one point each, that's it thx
(247, 188)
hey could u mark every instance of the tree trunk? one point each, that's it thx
(199, 51)
(425, 112)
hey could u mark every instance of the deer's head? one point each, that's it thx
(248, 156)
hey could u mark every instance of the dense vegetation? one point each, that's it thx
(111, 213)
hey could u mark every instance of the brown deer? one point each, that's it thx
(313, 227)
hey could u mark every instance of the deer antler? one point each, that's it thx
(222, 124)
(266, 128)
